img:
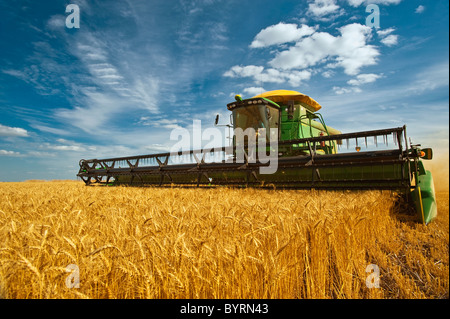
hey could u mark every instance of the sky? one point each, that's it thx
(136, 70)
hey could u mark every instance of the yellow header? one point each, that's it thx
(279, 96)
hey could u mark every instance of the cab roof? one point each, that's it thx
(282, 96)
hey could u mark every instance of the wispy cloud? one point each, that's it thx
(45, 68)
(430, 78)
(160, 122)
(112, 87)
(67, 145)
(51, 130)
(114, 74)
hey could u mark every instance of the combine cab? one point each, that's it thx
(283, 129)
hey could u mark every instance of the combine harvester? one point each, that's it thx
(306, 156)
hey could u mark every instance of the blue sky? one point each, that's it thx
(135, 70)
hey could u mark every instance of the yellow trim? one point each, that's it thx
(421, 206)
(279, 96)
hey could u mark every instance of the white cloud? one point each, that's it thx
(305, 53)
(280, 33)
(40, 154)
(387, 38)
(390, 40)
(420, 9)
(244, 71)
(340, 90)
(254, 90)
(261, 75)
(57, 21)
(328, 74)
(385, 32)
(71, 150)
(349, 50)
(218, 94)
(320, 8)
(9, 153)
(364, 78)
(65, 147)
(12, 131)
(158, 148)
(356, 3)
(296, 77)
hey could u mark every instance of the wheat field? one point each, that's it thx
(169, 243)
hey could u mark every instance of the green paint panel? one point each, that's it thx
(424, 198)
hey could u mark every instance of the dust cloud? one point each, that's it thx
(438, 167)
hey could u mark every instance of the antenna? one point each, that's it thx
(227, 125)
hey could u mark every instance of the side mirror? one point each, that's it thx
(217, 119)
(427, 153)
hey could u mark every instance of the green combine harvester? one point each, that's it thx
(283, 129)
